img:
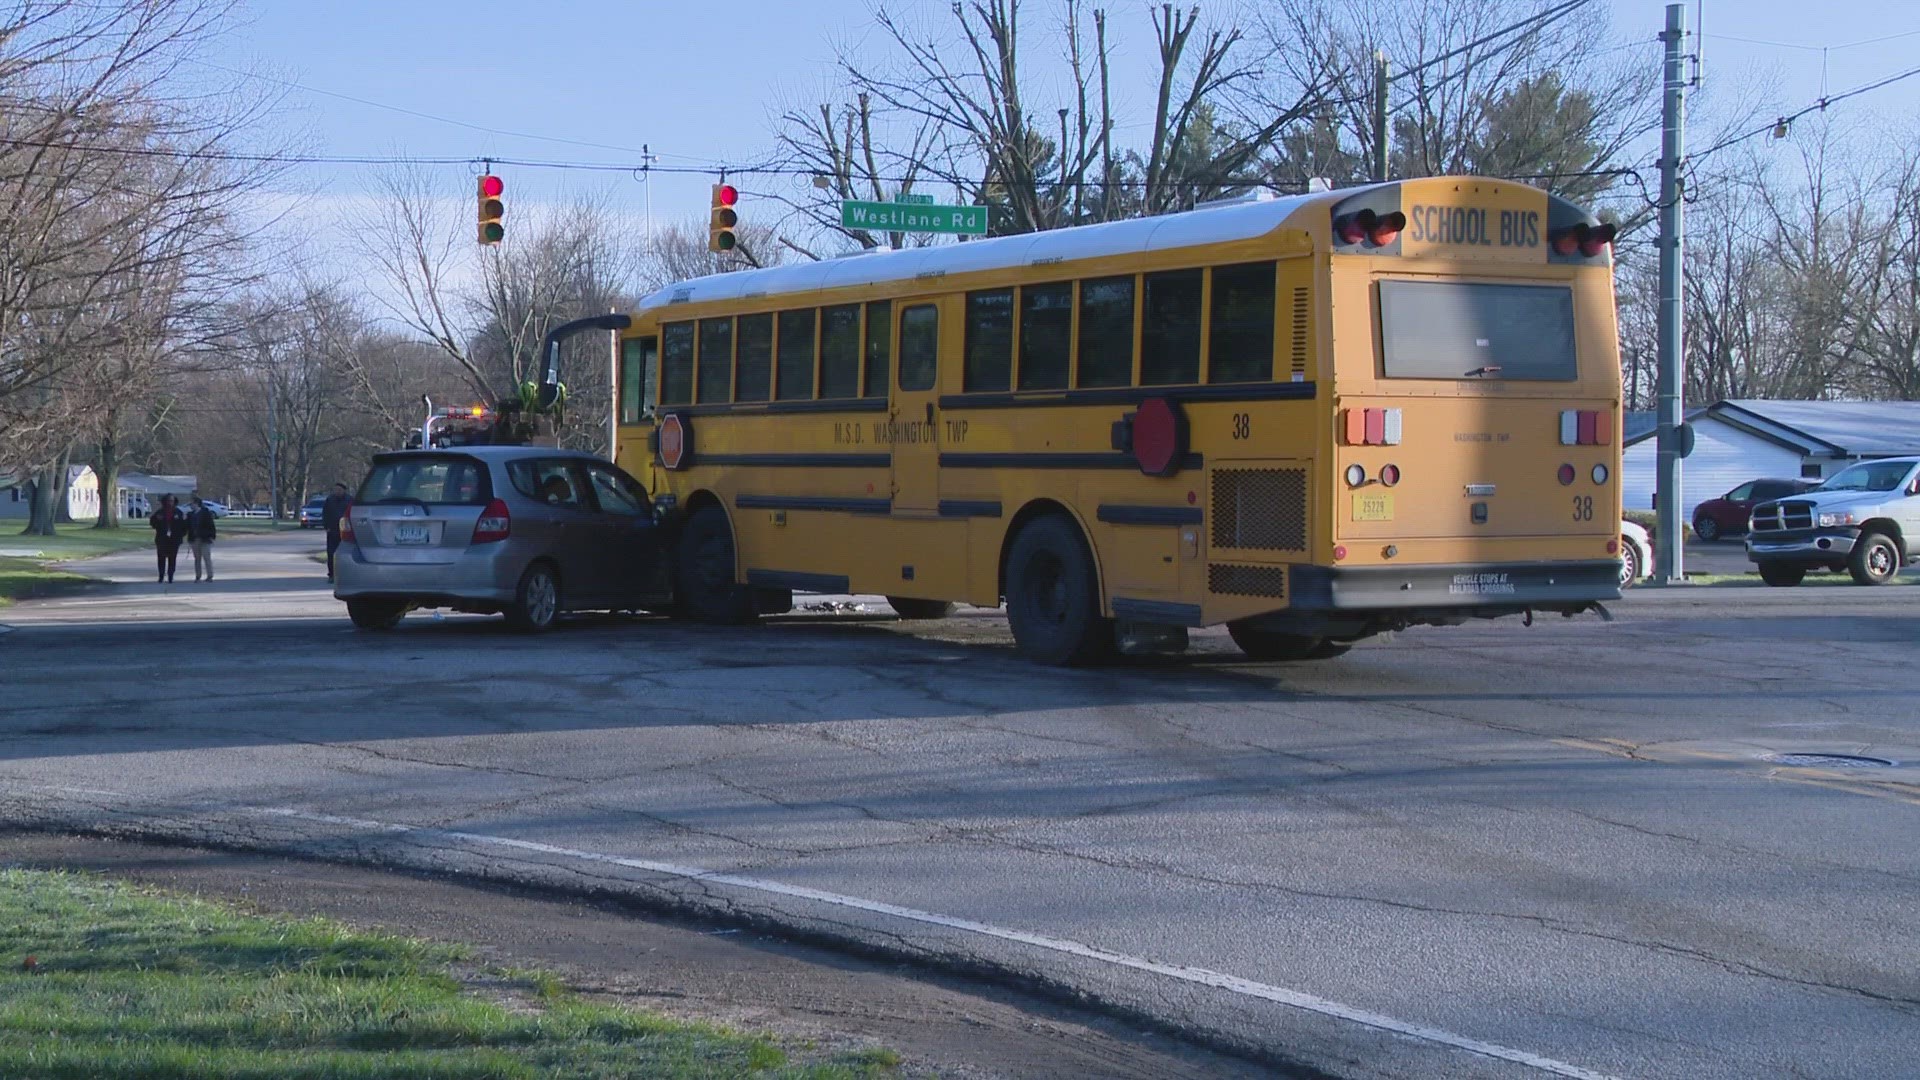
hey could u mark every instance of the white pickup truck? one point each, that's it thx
(1865, 519)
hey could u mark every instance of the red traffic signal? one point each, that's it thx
(725, 194)
(722, 219)
(491, 209)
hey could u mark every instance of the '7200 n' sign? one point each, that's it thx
(908, 217)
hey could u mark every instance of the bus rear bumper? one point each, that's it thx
(1469, 587)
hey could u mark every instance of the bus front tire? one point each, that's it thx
(908, 608)
(1053, 596)
(1261, 644)
(705, 582)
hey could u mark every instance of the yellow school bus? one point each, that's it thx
(1312, 419)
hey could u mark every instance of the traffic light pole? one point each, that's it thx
(1670, 530)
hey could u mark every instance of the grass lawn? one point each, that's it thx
(23, 579)
(101, 978)
(76, 541)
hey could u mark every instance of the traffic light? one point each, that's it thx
(491, 209)
(720, 226)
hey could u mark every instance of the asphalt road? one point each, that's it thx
(1478, 851)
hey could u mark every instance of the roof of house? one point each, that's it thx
(1210, 225)
(1840, 429)
(1637, 424)
(157, 485)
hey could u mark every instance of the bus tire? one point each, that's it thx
(704, 571)
(1261, 644)
(1053, 595)
(908, 608)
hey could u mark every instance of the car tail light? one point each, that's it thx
(346, 521)
(494, 524)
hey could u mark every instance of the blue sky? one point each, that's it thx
(700, 82)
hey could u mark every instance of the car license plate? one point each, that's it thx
(409, 534)
(1372, 506)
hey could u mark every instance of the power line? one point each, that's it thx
(1813, 48)
(1818, 106)
(1542, 18)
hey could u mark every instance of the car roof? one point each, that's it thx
(490, 453)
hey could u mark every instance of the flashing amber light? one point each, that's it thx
(479, 410)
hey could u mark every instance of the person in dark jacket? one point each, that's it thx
(331, 512)
(200, 533)
(169, 528)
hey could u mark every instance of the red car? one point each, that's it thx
(1728, 514)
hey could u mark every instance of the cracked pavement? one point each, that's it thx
(1566, 839)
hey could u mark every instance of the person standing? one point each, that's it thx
(169, 528)
(331, 512)
(200, 533)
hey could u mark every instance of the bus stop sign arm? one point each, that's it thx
(549, 389)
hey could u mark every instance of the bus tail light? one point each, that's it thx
(1584, 240)
(1356, 474)
(1372, 427)
(1369, 227)
(1567, 474)
(1389, 475)
(1586, 427)
(494, 524)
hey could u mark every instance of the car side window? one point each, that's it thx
(618, 493)
(1741, 493)
(556, 483)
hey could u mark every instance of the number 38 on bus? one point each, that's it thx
(1312, 419)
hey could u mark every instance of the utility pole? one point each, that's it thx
(1379, 115)
(273, 451)
(1673, 437)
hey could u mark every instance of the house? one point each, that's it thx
(1738, 441)
(82, 502)
(140, 492)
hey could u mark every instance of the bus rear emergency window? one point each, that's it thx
(1473, 330)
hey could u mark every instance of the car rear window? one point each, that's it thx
(436, 479)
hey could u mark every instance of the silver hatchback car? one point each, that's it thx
(527, 531)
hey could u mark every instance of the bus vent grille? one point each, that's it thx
(1247, 580)
(1260, 509)
(1299, 335)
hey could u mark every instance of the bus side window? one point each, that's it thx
(879, 350)
(1170, 331)
(989, 364)
(753, 374)
(1106, 332)
(1240, 331)
(795, 349)
(1046, 335)
(919, 347)
(716, 360)
(637, 385)
(840, 351)
(676, 364)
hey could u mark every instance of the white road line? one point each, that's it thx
(1197, 975)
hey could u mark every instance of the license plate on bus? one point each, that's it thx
(409, 534)
(1373, 506)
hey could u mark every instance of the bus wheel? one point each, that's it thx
(1053, 599)
(1261, 644)
(705, 573)
(909, 608)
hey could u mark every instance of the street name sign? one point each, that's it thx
(907, 217)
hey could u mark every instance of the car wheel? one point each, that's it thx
(536, 602)
(909, 608)
(1261, 644)
(376, 614)
(1629, 563)
(1782, 574)
(1053, 596)
(1875, 559)
(1706, 528)
(704, 574)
